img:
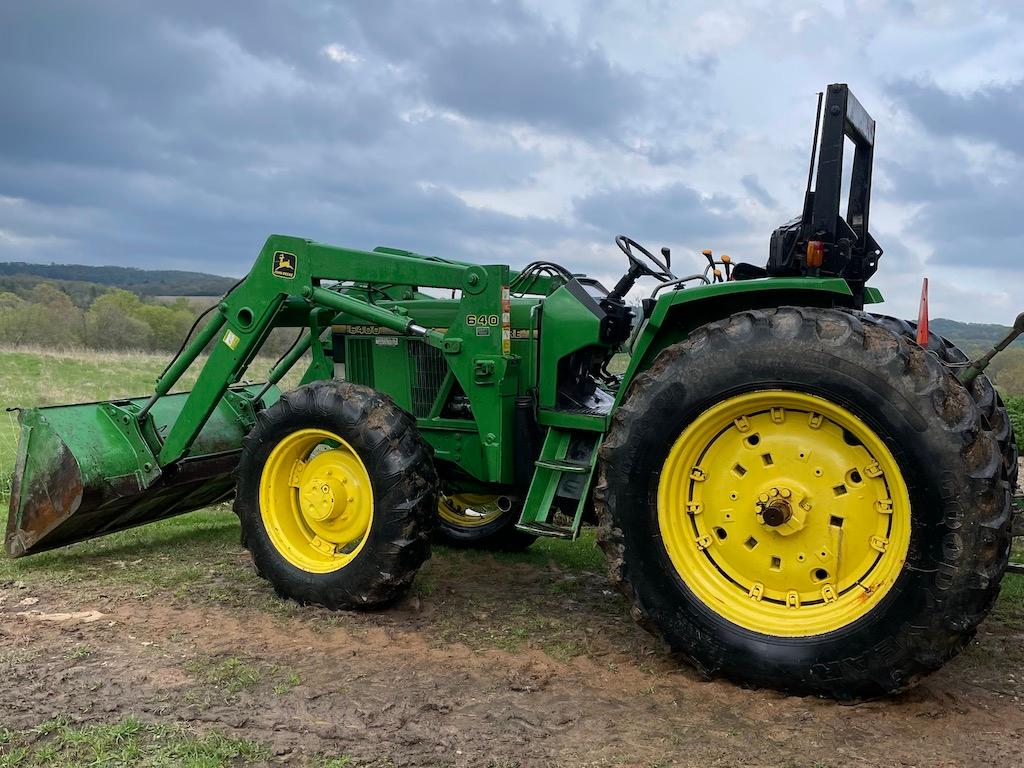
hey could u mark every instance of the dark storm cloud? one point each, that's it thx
(118, 84)
(182, 134)
(753, 187)
(993, 114)
(667, 214)
(497, 61)
(216, 234)
(967, 218)
(962, 212)
(543, 83)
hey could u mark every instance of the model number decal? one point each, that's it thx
(473, 320)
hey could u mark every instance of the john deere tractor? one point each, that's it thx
(791, 491)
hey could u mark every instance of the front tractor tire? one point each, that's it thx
(803, 499)
(337, 496)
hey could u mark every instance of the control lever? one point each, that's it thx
(709, 257)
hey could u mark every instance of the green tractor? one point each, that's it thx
(791, 492)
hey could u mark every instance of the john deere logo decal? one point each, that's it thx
(284, 264)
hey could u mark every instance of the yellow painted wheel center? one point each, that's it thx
(784, 513)
(316, 500)
(469, 510)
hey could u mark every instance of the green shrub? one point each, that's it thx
(1016, 406)
(47, 317)
(113, 320)
(1007, 372)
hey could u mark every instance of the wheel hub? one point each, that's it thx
(323, 498)
(776, 513)
(775, 509)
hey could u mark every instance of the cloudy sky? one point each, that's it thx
(180, 134)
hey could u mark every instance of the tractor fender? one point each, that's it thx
(677, 313)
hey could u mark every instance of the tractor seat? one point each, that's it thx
(744, 271)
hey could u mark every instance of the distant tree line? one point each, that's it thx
(145, 282)
(114, 320)
(973, 338)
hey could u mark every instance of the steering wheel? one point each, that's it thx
(627, 244)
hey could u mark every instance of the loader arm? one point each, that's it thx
(281, 290)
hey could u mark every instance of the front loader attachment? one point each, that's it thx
(90, 469)
(86, 470)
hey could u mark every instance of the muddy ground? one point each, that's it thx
(524, 660)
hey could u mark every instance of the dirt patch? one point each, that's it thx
(489, 662)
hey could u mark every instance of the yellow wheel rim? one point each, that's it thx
(316, 500)
(469, 510)
(784, 513)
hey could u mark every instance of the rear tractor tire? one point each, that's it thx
(803, 499)
(337, 496)
(481, 521)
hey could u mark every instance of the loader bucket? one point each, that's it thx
(84, 470)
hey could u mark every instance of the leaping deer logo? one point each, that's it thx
(284, 264)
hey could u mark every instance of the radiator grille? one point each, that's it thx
(359, 361)
(428, 371)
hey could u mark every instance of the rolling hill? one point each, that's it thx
(80, 280)
(972, 337)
